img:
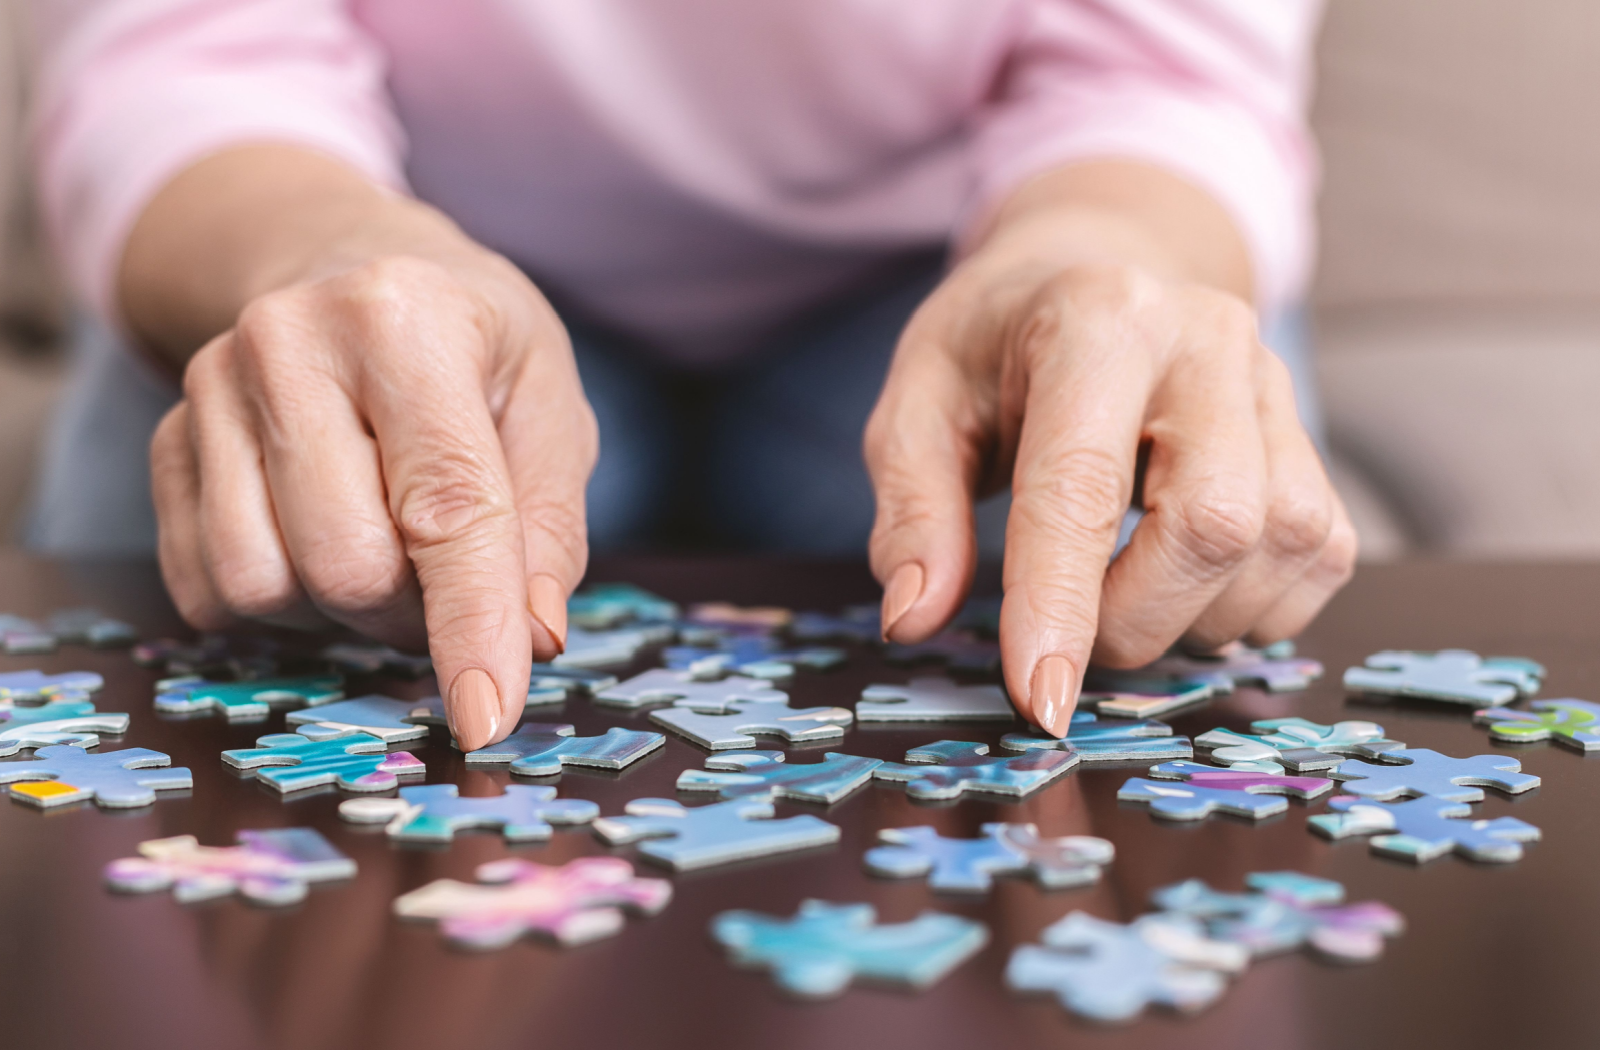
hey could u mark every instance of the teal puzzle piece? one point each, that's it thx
(947, 768)
(767, 774)
(248, 701)
(540, 749)
(435, 812)
(355, 761)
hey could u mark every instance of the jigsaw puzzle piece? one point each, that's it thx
(1133, 694)
(36, 686)
(1207, 789)
(375, 658)
(1296, 744)
(957, 650)
(604, 605)
(968, 865)
(1107, 741)
(1275, 668)
(355, 761)
(929, 699)
(435, 812)
(247, 701)
(1109, 972)
(20, 636)
(1422, 829)
(540, 749)
(61, 774)
(610, 648)
(1575, 723)
(766, 774)
(1288, 911)
(738, 724)
(1454, 675)
(379, 716)
(661, 686)
(1420, 771)
(721, 833)
(825, 946)
(580, 901)
(751, 656)
(856, 623)
(92, 628)
(81, 730)
(271, 867)
(947, 768)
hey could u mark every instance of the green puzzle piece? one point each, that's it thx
(1575, 723)
(245, 701)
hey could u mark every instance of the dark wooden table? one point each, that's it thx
(1494, 955)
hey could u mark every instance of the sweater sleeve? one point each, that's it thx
(1212, 90)
(130, 92)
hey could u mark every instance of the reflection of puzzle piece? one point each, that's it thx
(356, 762)
(578, 902)
(1419, 771)
(1288, 911)
(754, 656)
(660, 686)
(80, 730)
(1575, 723)
(540, 749)
(609, 648)
(267, 867)
(61, 774)
(720, 833)
(1295, 743)
(738, 724)
(246, 701)
(955, 649)
(1421, 829)
(1455, 675)
(373, 658)
(603, 605)
(765, 774)
(1275, 668)
(1110, 972)
(825, 946)
(1107, 741)
(856, 623)
(1135, 694)
(1206, 790)
(934, 700)
(435, 812)
(36, 685)
(946, 768)
(378, 716)
(967, 865)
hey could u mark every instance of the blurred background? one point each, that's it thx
(1456, 310)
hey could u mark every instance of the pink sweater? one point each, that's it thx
(696, 171)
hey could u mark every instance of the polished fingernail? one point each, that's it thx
(1050, 694)
(474, 709)
(547, 603)
(904, 588)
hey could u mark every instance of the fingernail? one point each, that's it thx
(1050, 694)
(474, 709)
(547, 603)
(904, 588)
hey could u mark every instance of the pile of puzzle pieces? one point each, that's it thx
(721, 685)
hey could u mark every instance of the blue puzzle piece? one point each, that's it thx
(825, 946)
(604, 605)
(540, 749)
(738, 724)
(1421, 829)
(1419, 771)
(37, 686)
(766, 774)
(720, 833)
(435, 812)
(60, 774)
(20, 731)
(383, 717)
(1288, 911)
(1453, 675)
(1110, 972)
(968, 865)
(755, 656)
(1208, 789)
(373, 658)
(661, 686)
(1295, 744)
(1107, 741)
(1275, 668)
(947, 768)
(356, 762)
(857, 623)
(247, 701)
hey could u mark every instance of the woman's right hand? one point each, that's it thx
(391, 435)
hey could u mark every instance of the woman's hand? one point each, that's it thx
(390, 434)
(1090, 350)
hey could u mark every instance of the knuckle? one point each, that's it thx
(559, 536)
(1337, 562)
(350, 586)
(1298, 524)
(456, 502)
(1219, 527)
(270, 321)
(252, 589)
(1123, 647)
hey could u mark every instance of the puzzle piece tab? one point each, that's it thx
(1296, 744)
(765, 774)
(247, 701)
(720, 833)
(738, 724)
(1288, 911)
(1110, 972)
(1112, 740)
(1453, 675)
(947, 768)
(929, 699)
(825, 946)
(355, 761)
(578, 902)
(540, 749)
(1419, 771)
(61, 774)
(661, 686)
(266, 867)
(1575, 723)
(435, 812)
(1207, 789)
(968, 865)
(80, 730)
(1422, 829)
(38, 686)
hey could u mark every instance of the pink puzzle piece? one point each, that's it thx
(267, 867)
(577, 902)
